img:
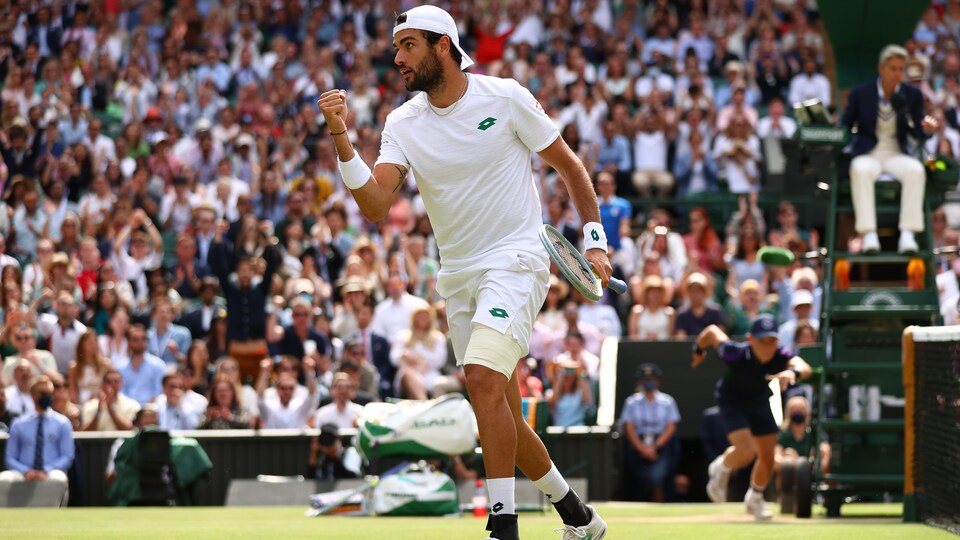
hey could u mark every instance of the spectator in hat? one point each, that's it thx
(801, 303)
(329, 460)
(649, 419)
(651, 318)
(699, 311)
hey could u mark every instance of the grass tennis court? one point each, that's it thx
(626, 520)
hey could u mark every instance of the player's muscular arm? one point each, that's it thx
(559, 156)
(377, 195)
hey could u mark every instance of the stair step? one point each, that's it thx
(864, 479)
(894, 424)
(906, 311)
(882, 257)
(840, 367)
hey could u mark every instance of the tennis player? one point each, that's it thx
(743, 395)
(468, 140)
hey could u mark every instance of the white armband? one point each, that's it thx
(355, 172)
(593, 236)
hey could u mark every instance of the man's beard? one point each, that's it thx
(428, 76)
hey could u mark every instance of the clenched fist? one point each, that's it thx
(333, 105)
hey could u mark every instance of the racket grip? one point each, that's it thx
(616, 285)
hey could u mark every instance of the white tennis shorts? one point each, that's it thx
(507, 293)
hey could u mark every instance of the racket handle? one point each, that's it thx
(616, 285)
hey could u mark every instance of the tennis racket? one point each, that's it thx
(574, 266)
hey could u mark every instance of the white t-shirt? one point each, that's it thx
(472, 164)
(650, 151)
(330, 414)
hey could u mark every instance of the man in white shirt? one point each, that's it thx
(810, 84)
(393, 314)
(63, 330)
(288, 411)
(101, 147)
(18, 393)
(650, 156)
(776, 124)
(342, 411)
(179, 407)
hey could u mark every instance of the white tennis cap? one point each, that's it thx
(434, 19)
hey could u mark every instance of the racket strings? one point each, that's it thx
(573, 263)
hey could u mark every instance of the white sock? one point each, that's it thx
(755, 493)
(723, 462)
(552, 484)
(501, 491)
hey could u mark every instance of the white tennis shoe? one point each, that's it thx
(719, 478)
(756, 507)
(595, 530)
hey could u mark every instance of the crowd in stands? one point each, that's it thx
(172, 213)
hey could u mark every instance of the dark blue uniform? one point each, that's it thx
(743, 393)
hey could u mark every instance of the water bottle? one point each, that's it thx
(480, 500)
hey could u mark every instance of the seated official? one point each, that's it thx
(649, 419)
(882, 114)
(40, 446)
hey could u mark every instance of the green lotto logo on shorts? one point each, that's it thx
(487, 122)
(499, 313)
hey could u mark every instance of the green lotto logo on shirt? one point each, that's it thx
(499, 313)
(487, 122)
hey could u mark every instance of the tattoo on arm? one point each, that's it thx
(403, 176)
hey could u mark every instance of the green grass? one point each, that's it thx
(626, 521)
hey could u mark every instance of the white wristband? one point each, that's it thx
(355, 172)
(593, 236)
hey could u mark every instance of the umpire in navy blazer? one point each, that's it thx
(884, 115)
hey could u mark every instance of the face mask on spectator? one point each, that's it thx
(44, 401)
(649, 386)
(798, 418)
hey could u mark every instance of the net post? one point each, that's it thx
(909, 427)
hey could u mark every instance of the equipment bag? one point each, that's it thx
(434, 428)
(416, 493)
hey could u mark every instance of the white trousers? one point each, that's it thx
(908, 170)
(55, 476)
